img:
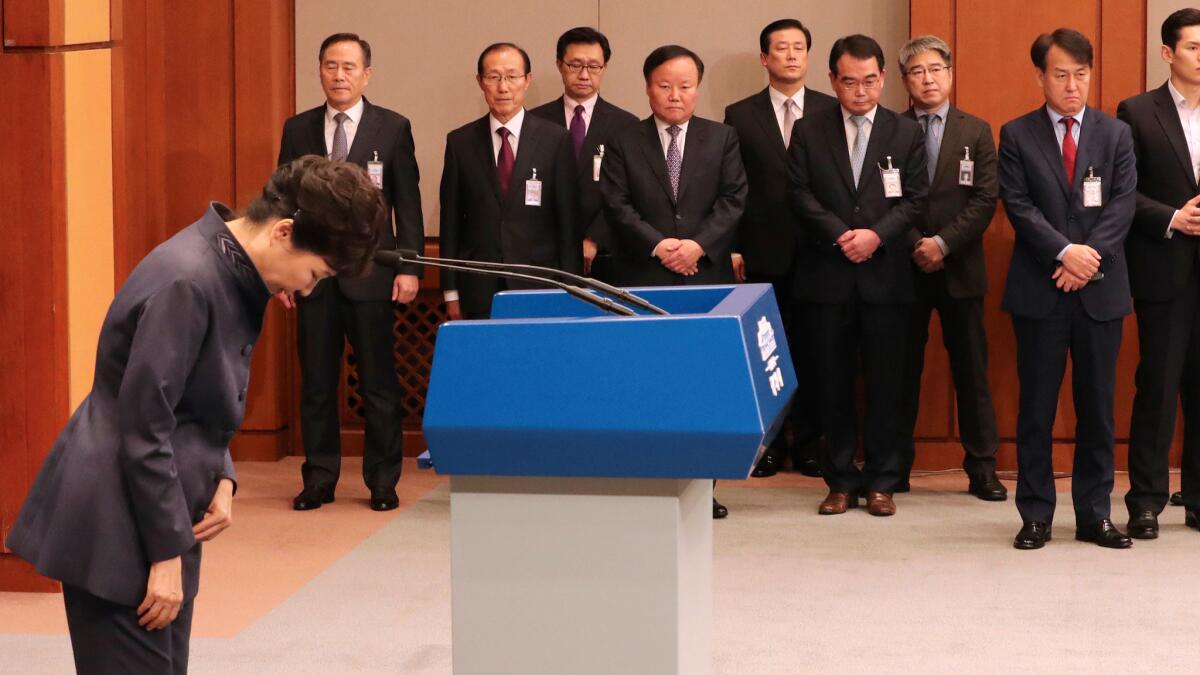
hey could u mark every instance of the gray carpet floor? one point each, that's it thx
(935, 589)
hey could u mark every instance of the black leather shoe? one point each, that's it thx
(1177, 499)
(384, 499)
(1033, 534)
(312, 498)
(1143, 525)
(809, 467)
(1103, 534)
(767, 466)
(804, 458)
(903, 486)
(988, 488)
(719, 510)
(1191, 518)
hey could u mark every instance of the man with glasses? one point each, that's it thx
(509, 191)
(947, 252)
(858, 184)
(582, 57)
(768, 231)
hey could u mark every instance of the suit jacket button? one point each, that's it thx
(857, 209)
(678, 217)
(247, 349)
(242, 395)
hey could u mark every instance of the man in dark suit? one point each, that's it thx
(509, 188)
(582, 57)
(947, 251)
(1068, 179)
(348, 127)
(1165, 276)
(673, 185)
(858, 183)
(767, 233)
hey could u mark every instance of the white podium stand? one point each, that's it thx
(581, 575)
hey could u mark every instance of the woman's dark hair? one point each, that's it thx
(337, 211)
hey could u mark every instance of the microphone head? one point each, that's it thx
(388, 258)
(408, 254)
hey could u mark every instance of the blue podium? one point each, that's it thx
(581, 449)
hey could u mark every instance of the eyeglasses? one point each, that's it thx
(494, 79)
(593, 68)
(918, 73)
(848, 84)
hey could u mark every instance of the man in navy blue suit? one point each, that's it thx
(1068, 177)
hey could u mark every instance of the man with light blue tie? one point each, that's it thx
(1068, 179)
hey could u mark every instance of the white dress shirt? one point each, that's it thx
(589, 106)
(778, 99)
(350, 126)
(852, 129)
(1189, 118)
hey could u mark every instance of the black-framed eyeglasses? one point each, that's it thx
(593, 68)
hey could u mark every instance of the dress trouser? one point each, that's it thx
(804, 413)
(965, 339)
(325, 320)
(843, 334)
(1042, 348)
(1169, 345)
(107, 640)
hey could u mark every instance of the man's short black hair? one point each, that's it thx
(859, 46)
(1175, 23)
(496, 47)
(764, 38)
(666, 53)
(346, 37)
(1070, 41)
(583, 35)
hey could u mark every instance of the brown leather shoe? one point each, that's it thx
(837, 502)
(880, 504)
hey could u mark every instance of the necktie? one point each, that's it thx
(674, 160)
(789, 121)
(933, 142)
(859, 152)
(1068, 150)
(505, 161)
(340, 149)
(578, 131)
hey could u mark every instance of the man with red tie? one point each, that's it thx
(509, 190)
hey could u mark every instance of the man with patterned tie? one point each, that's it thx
(674, 186)
(509, 188)
(769, 230)
(582, 57)
(350, 128)
(858, 183)
(947, 253)
(1068, 178)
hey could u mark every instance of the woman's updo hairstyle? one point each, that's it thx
(337, 211)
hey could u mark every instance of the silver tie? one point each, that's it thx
(340, 150)
(674, 160)
(859, 152)
(933, 143)
(789, 121)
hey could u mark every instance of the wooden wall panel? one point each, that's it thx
(995, 79)
(33, 349)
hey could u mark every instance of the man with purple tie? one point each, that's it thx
(508, 189)
(582, 57)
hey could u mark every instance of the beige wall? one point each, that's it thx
(424, 53)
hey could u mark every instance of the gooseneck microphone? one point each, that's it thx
(594, 284)
(395, 259)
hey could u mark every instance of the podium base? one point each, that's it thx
(581, 575)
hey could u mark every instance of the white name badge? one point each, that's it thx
(597, 159)
(1091, 190)
(375, 171)
(533, 191)
(891, 183)
(966, 172)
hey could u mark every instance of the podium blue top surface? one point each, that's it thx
(551, 386)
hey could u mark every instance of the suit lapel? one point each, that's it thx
(652, 149)
(881, 132)
(523, 166)
(1047, 141)
(835, 133)
(316, 133)
(596, 130)
(948, 154)
(1083, 153)
(1168, 117)
(765, 113)
(693, 146)
(364, 138)
(485, 155)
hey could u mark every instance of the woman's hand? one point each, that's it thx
(164, 594)
(219, 515)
